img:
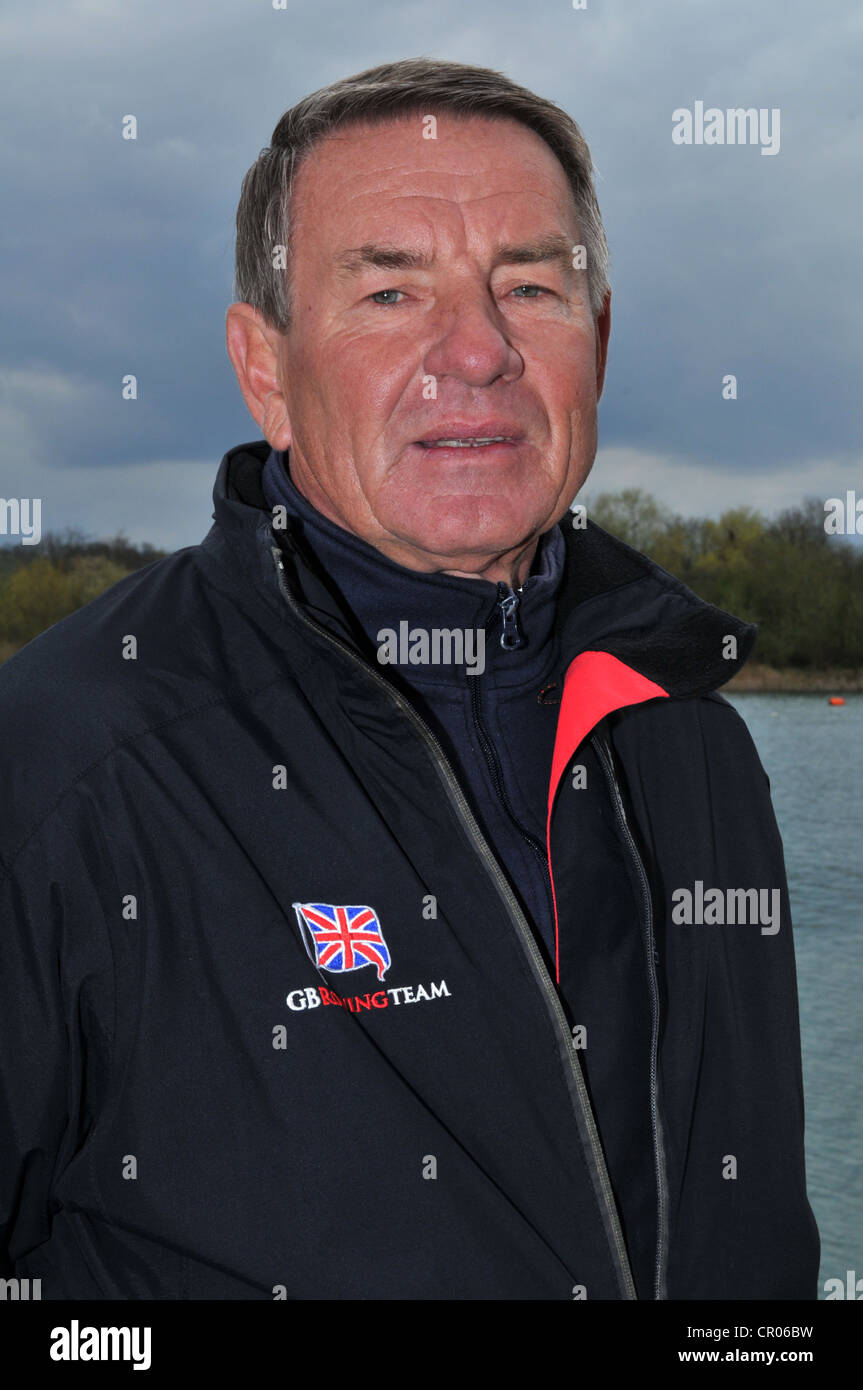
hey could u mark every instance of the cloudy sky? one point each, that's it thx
(118, 255)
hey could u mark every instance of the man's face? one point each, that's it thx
(435, 300)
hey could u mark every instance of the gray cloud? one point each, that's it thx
(118, 254)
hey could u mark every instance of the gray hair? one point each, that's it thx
(411, 86)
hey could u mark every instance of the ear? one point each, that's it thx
(253, 347)
(603, 329)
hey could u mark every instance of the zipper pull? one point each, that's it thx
(508, 601)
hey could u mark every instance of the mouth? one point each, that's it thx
(463, 443)
(483, 436)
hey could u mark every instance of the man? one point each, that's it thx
(391, 907)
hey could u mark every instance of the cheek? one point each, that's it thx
(567, 380)
(371, 376)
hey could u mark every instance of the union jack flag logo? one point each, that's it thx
(343, 938)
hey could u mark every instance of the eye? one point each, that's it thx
(533, 291)
(385, 302)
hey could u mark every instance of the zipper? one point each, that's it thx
(606, 760)
(582, 1109)
(514, 638)
(508, 601)
(495, 772)
(509, 615)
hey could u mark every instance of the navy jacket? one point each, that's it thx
(209, 785)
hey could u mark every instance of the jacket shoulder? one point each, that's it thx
(154, 648)
(695, 732)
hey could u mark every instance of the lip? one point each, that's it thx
(504, 430)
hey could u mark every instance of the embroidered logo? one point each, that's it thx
(339, 939)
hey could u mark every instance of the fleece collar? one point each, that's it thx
(386, 597)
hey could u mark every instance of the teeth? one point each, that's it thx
(465, 443)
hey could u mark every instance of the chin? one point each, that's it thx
(468, 529)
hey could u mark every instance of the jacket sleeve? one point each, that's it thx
(55, 998)
(740, 1223)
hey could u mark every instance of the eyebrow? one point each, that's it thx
(385, 256)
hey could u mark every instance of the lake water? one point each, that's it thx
(813, 755)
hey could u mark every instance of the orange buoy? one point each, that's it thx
(836, 700)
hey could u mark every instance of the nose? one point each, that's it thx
(470, 343)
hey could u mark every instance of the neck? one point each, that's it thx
(506, 569)
(510, 567)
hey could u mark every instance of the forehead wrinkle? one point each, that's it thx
(455, 213)
(524, 190)
(547, 247)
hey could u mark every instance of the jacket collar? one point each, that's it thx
(386, 597)
(613, 600)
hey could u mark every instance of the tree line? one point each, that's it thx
(41, 584)
(802, 587)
